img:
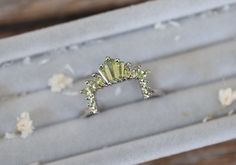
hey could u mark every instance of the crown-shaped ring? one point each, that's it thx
(113, 71)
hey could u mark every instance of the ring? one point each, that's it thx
(113, 71)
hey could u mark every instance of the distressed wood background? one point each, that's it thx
(19, 16)
(219, 154)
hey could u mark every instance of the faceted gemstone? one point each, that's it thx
(134, 73)
(116, 70)
(92, 103)
(127, 72)
(99, 81)
(108, 73)
(88, 91)
(92, 85)
(139, 74)
(122, 69)
(143, 82)
(108, 58)
(103, 74)
(93, 108)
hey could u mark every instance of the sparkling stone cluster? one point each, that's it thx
(141, 76)
(111, 72)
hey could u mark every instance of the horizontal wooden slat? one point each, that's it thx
(223, 153)
(22, 11)
(24, 15)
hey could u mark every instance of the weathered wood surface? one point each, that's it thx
(18, 16)
(219, 154)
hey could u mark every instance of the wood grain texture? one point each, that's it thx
(16, 11)
(18, 16)
(219, 154)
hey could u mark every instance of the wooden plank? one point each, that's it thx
(219, 154)
(16, 11)
(19, 16)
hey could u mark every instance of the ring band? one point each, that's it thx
(113, 71)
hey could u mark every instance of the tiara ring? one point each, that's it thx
(113, 71)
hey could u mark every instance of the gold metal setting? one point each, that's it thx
(113, 71)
